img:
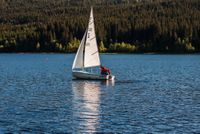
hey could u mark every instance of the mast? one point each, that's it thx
(84, 48)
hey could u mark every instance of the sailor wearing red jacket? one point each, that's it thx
(104, 70)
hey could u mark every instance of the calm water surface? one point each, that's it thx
(151, 93)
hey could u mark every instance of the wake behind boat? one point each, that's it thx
(87, 56)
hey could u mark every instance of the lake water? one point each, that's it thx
(151, 93)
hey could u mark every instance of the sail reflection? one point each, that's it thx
(86, 101)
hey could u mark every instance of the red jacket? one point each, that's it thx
(105, 70)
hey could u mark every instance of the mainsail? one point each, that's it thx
(87, 54)
(91, 50)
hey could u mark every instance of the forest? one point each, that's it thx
(122, 26)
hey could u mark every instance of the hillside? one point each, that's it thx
(161, 26)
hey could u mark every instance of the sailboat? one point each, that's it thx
(87, 56)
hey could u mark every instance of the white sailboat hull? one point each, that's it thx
(91, 76)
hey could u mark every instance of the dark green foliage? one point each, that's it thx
(161, 26)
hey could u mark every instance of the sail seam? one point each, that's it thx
(94, 53)
(92, 38)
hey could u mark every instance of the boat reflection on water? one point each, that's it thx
(86, 105)
(109, 83)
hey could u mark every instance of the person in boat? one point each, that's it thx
(104, 70)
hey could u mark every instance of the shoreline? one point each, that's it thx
(149, 53)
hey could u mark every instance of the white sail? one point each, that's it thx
(88, 56)
(78, 61)
(91, 54)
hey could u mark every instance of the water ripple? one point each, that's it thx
(155, 94)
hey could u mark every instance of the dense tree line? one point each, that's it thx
(161, 26)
